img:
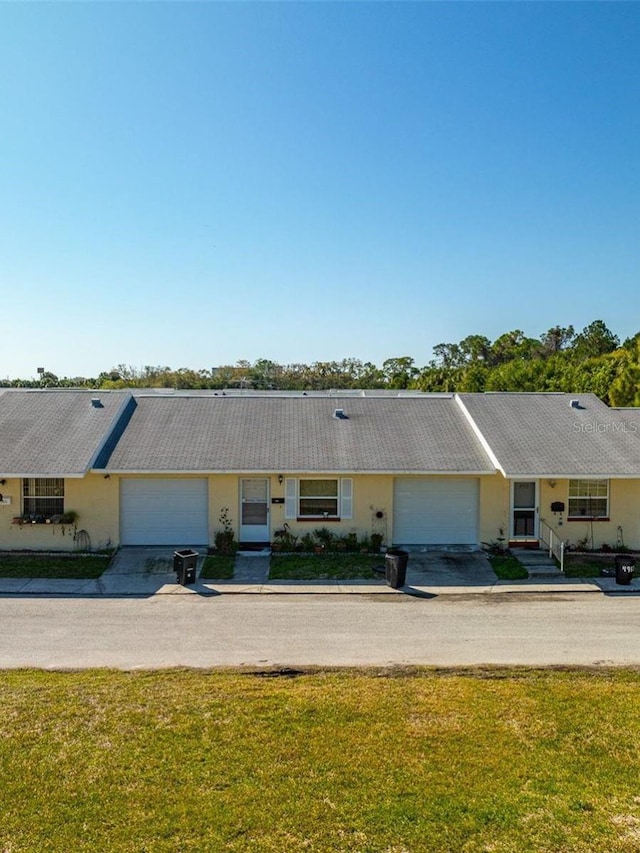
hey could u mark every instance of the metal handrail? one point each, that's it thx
(553, 542)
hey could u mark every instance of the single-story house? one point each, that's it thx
(106, 468)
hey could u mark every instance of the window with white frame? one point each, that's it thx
(588, 499)
(319, 497)
(43, 496)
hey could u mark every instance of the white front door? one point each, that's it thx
(254, 510)
(524, 509)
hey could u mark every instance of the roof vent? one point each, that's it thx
(575, 404)
(96, 403)
(340, 415)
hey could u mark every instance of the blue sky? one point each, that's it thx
(192, 184)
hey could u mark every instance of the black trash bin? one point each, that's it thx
(395, 567)
(625, 566)
(184, 565)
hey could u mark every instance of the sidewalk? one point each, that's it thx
(165, 584)
(146, 572)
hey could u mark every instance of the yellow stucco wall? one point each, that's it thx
(92, 497)
(96, 499)
(624, 512)
(494, 508)
(371, 494)
(224, 492)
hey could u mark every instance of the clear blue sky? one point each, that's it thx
(192, 184)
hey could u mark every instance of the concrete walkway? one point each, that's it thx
(252, 567)
(538, 563)
(148, 572)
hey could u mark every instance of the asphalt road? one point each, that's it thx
(128, 633)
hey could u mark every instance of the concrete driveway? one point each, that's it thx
(147, 572)
(449, 567)
(433, 567)
(436, 569)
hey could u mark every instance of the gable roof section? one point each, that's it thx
(298, 435)
(55, 433)
(543, 435)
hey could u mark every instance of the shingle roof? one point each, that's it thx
(300, 434)
(60, 433)
(538, 435)
(54, 433)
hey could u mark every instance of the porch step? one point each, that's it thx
(538, 564)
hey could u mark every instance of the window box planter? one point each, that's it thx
(70, 517)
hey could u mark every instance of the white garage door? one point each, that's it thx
(163, 512)
(435, 512)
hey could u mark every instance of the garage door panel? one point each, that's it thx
(435, 512)
(163, 511)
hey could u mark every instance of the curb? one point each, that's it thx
(96, 589)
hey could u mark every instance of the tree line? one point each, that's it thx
(561, 359)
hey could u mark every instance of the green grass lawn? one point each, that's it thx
(508, 568)
(324, 566)
(20, 565)
(581, 565)
(219, 567)
(506, 761)
(584, 569)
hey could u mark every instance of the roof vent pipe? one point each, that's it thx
(340, 415)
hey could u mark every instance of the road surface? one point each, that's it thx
(587, 629)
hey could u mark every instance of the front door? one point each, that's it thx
(524, 509)
(254, 510)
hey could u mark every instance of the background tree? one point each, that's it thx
(625, 388)
(557, 339)
(594, 340)
(558, 361)
(399, 372)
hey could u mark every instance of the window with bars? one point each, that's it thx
(588, 499)
(43, 496)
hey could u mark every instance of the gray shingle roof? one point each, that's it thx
(54, 433)
(60, 433)
(298, 435)
(537, 435)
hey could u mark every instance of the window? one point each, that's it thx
(318, 498)
(43, 496)
(588, 498)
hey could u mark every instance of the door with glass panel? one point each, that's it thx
(254, 510)
(524, 509)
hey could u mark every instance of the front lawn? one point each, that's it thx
(32, 565)
(585, 569)
(310, 567)
(488, 759)
(508, 567)
(218, 567)
(583, 565)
